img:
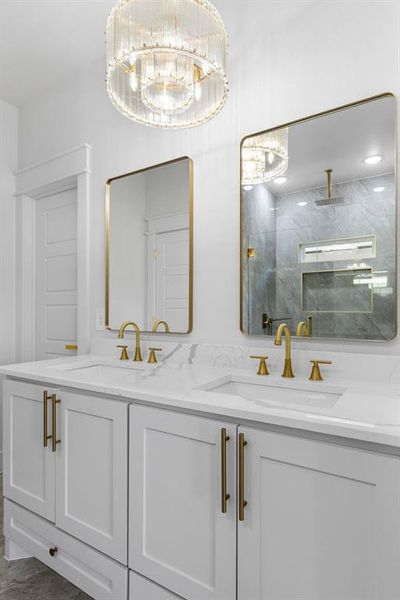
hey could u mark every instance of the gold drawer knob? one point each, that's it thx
(316, 372)
(262, 367)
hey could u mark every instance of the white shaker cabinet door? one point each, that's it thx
(29, 464)
(178, 535)
(92, 472)
(321, 521)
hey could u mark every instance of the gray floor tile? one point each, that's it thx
(29, 579)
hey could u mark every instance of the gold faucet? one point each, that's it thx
(121, 335)
(304, 329)
(284, 329)
(164, 324)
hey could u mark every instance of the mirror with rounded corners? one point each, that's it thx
(318, 225)
(149, 248)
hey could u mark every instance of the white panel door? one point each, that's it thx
(29, 466)
(92, 472)
(56, 274)
(172, 279)
(321, 523)
(178, 535)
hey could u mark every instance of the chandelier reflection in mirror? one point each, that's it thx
(166, 61)
(265, 157)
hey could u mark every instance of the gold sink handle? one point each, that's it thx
(124, 353)
(152, 356)
(315, 372)
(262, 367)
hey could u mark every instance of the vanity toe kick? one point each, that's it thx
(97, 575)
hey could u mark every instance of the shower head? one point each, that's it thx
(330, 200)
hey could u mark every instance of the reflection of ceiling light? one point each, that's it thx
(380, 188)
(247, 188)
(265, 157)
(280, 180)
(166, 61)
(302, 203)
(373, 160)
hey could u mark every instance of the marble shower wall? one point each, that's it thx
(259, 271)
(275, 274)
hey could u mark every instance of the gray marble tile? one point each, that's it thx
(29, 579)
(276, 225)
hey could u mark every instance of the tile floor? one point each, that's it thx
(29, 579)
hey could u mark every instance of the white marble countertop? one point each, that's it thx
(362, 411)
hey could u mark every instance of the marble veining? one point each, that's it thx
(368, 410)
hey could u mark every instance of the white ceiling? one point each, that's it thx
(45, 42)
(340, 141)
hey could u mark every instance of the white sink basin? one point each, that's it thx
(105, 373)
(280, 394)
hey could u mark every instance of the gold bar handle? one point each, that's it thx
(46, 435)
(54, 440)
(242, 501)
(224, 496)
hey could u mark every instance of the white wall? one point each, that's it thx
(287, 60)
(8, 164)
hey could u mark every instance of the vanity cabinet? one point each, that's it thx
(322, 522)
(29, 466)
(92, 472)
(81, 484)
(179, 536)
(217, 510)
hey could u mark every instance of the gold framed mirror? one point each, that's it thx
(319, 223)
(149, 248)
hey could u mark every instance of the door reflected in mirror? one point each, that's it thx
(318, 225)
(149, 248)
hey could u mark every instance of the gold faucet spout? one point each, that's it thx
(164, 324)
(283, 329)
(121, 335)
(304, 329)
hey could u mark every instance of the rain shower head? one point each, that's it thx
(330, 200)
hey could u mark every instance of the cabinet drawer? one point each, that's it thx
(98, 576)
(144, 589)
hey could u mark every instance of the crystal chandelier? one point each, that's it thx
(166, 61)
(265, 156)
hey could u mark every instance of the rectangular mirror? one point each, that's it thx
(149, 248)
(318, 225)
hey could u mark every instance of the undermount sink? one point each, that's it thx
(280, 394)
(104, 372)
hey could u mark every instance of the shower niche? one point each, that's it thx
(318, 224)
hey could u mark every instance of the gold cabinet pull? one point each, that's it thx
(54, 440)
(242, 501)
(46, 435)
(224, 496)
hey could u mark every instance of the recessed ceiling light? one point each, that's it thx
(373, 160)
(280, 180)
(302, 203)
(247, 188)
(380, 188)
